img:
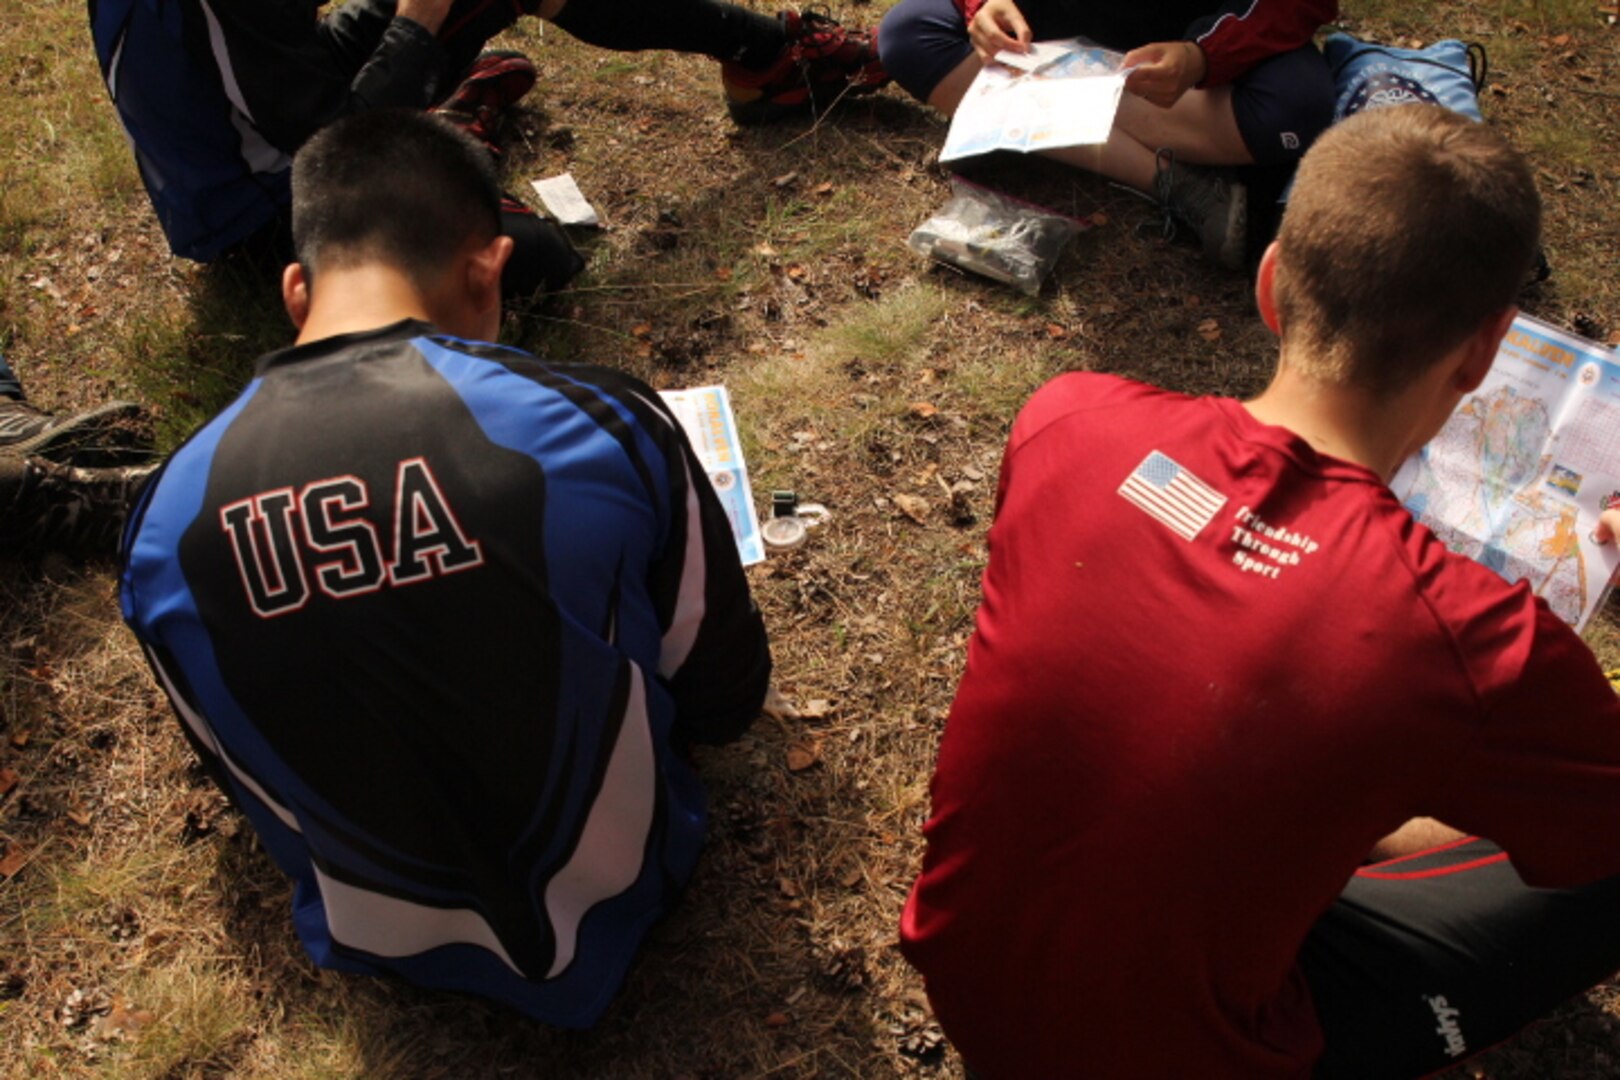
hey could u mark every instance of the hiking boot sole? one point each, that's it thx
(107, 431)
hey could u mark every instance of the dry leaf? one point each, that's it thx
(1210, 330)
(785, 179)
(120, 1019)
(777, 1019)
(797, 272)
(803, 753)
(20, 739)
(16, 858)
(79, 815)
(913, 507)
(924, 410)
(722, 273)
(816, 709)
(641, 329)
(824, 188)
(765, 250)
(778, 707)
(852, 877)
(8, 780)
(1560, 41)
(1099, 218)
(788, 887)
(1056, 332)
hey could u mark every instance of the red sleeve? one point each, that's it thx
(1244, 32)
(1540, 775)
(968, 8)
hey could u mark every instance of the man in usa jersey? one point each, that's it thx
(440, 617)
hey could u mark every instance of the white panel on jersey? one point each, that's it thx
(205, 735)
(608, 858)
(689, 601)
(387, 926)
(256, 151)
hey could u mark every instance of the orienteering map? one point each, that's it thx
(1519, 474)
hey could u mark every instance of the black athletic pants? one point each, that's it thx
(1428, 959)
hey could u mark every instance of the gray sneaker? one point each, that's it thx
(104, 430)
(1207, 201)
(47, 506)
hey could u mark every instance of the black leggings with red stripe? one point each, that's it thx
(1431, 958)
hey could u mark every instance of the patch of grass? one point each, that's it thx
(890, 332)
(198, 1021)
(1561, 144)
(195, 361)
(616, 69)
(102, 880)
(997, 384)
(1550, 16)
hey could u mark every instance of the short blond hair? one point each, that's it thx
(1408, 227)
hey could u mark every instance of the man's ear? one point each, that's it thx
(484, 267)
(295, 294)
(1481, 349)
(1265, 290)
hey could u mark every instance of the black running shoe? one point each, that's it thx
(497, 80)
(822, 62)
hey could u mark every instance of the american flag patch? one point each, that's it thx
(1173, 495)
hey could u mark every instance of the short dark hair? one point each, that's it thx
(1408, 227)
(395, 186)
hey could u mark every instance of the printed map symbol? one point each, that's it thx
(1477, 475)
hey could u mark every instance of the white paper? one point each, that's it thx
(1068, 98)
(1519, 474)
(564, 201)
(1040, 54)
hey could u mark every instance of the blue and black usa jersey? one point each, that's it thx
(440, 616)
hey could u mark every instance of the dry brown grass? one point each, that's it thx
(147, 936)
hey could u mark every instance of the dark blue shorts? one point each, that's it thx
(1282, 104)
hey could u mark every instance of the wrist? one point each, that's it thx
(1197, 63)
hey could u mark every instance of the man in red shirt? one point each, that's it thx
(1219, 672)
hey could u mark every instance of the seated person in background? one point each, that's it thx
(1237, 83)
(66, 482)
(216, 95)
(1220, 677)
(440, 617)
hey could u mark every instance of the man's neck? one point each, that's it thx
(352, 300)
(1345, 422)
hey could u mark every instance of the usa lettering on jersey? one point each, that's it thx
(289, 543)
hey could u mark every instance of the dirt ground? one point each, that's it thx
(142, 931)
